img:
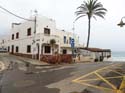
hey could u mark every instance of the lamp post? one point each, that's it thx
(121, 23)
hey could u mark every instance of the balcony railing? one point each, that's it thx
(46, 38)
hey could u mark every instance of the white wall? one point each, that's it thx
(42, 22)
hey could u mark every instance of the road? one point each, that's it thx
(44, 79)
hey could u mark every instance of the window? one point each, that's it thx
(17, 35)
(12, 49)
(28, 31)
(64, 51)
(70, 40)
(64, 39)
(17, 49)
(28, 48)
(8, 48)
(47, 31)
(12, 36)
(47, 49)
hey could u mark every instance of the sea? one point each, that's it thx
(118, 56)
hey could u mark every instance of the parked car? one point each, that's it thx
(3, 50)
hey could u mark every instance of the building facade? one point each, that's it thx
(39, 38)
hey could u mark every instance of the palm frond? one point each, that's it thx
(80, 12)
(91, 8)
(82, 8)
(79, 17)
(94, 17)
(100, 12)
(99, 15)
(101, 9)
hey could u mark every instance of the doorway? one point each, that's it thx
(12, 49)
(38, 51)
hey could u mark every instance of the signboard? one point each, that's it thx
(72, 43)
(72, 40)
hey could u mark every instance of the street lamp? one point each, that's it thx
(121, 24)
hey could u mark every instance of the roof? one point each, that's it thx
(97, 49)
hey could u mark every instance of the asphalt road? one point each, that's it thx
(44, 79)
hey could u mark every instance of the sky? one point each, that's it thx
(104, 32)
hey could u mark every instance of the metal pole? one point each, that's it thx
(35, 36)
(34, 41)
(74, 40)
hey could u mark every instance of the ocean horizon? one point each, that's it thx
(118, 56)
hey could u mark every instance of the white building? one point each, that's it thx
(3, 43)
(93, 54)
(23, 40)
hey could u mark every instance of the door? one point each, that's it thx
(64, 51)
(12, 51)
(38, 51)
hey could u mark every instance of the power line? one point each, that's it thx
(15, 14)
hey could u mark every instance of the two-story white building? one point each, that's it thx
(35, 38)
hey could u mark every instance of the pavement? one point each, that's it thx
(47, 78)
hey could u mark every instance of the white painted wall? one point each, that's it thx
(42, 22)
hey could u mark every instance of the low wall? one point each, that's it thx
(53, 59)
(84, 59)
(60, 58)
(23, 55)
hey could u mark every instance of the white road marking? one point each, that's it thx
(2, 66)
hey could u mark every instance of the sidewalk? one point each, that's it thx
(33, 61)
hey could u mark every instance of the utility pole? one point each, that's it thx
(34, 37)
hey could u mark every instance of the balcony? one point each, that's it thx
(46, 38)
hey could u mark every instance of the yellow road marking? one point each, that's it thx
(116, 72)
(122, 86)
(106, 81)
(101, 79)
(93, 72)
(97, 87)
(109, 67)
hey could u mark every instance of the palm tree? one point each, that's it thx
(90, 8)
(52, 42)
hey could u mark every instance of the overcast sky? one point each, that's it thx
(104, 32)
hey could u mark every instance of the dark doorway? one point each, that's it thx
(47, 49)
(37, 51)
(12, 51)
(64, 51)
(8, 48)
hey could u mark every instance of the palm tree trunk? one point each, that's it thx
(89, 26)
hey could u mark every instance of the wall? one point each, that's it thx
(42, 22)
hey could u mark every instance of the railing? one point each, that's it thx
(46, 38)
